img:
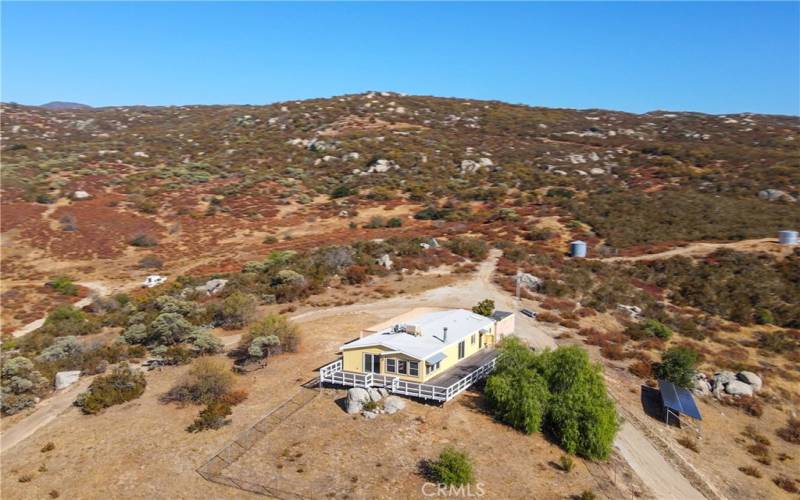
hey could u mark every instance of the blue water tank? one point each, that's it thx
(787, 237)
(577, 248)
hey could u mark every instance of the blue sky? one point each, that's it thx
(710, 57)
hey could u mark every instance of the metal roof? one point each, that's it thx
(678, 399)
(430, 338)
(436, 358)
(498, 315)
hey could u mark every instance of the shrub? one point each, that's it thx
(20, 385)
(203, 341)
(484, 307)
(677, 365)
(750, 471)
(452, 468)
(48, 447)
(786, 484)
(655, 328)
(471, 248)
(121, 385)
(276, 325)
(343, 190)
(66, 320)
(168, 329)
(61, 348)
(236, 310)
(587, 495)
(394, 222)
(212, 417)
(63, 285)
(566, 463)
(790, 433)
(261, 346)
(355, 274)
(151, 262)
(143, 240)
(208, 380)
(641, 369)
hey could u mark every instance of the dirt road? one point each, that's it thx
(701, 249)
(45, 413)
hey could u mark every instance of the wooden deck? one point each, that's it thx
(441, 388)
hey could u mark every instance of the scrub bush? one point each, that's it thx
(452, 468)
(121, 385)
(677, 366)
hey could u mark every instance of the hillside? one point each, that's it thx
(346, 211)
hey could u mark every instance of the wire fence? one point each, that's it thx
(214, 469)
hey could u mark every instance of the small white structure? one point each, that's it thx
(80, 195)
(153, 280)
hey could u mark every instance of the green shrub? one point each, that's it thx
(566, 463)
(21, 384)
(394, 222)
(343, 190)
(63, 285)
(452, 468)
(678, 365)
(121, 385)
(471, 248)
(484, 307)
(236, 310)
(519, 399)
(168, 329)
(655, 328)
(66, 320)
(288, 333)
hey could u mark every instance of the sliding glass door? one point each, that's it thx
(372, 363)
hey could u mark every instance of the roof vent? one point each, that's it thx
(444, 335)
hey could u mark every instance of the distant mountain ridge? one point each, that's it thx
(65, 105)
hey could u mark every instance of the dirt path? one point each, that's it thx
(95, 286)
(702, 248)
(45, 413)
(654, 471)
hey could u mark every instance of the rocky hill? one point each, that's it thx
(635, 179)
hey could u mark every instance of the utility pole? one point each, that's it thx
(519, 282)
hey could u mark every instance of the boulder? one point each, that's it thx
(597, 171)
(530, 281)
(374, 394)
(750, 379)
(369, 415)
(393, 404)
(66, 379)
(701, 386)
(776, 195)
(383, 392)
(737, 388)
(356, 397)
(212, 287)
(80, 195)
(632, 311)
(724, 377)
(385, 261)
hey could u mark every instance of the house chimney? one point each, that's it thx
(444, 335)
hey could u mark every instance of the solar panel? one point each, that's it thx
(678, 399)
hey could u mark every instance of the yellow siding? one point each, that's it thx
(353, 359)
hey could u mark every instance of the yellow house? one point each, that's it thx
(430, 353)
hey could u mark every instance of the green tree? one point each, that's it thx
(520, 399)
(169, 328)
(484, 307)
(655, 328)
(274, 325)
(678, 365)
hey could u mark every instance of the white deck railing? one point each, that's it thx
(334, 374)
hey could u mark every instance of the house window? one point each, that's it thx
(472, 342)
(402, 367)
(391, 366)
(432, 368)
(461, 350)
(413, 368)
(372, 363)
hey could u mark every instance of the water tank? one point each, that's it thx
(577, 248)
(787, 237)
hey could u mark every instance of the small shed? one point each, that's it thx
(677, 401)
(787, 237)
